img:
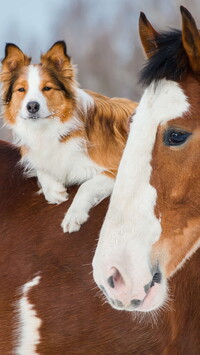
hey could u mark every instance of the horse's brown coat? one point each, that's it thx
(74, 321)
(176, 176)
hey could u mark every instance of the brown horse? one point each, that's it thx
(152, 226)
(48, 303)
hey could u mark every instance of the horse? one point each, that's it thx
(48, 302)
(152, 225)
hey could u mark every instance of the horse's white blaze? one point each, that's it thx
(29, 323)
(130, 226)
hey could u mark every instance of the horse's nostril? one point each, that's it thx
(157, 277)
(111, 282)
(115, 280)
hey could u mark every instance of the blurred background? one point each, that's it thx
(101, 36)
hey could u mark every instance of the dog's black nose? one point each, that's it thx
(33, 106)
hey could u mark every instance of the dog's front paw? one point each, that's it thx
(73, 220)
(54, 193)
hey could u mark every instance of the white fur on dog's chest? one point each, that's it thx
(68, 162)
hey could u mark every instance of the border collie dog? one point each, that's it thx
(66, 135)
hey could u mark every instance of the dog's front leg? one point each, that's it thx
(89, 194)
(54, 191)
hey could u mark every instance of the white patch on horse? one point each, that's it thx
(130, 229)
(29, 323)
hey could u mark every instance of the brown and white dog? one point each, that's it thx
(66, 135)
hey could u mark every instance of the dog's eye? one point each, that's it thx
(46, 88)
(21, 90)
(174, 138)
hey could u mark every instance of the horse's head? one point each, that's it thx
(153, 222)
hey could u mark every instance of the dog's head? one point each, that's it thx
(37, 92)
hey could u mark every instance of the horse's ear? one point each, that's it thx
(14, 58)
(147, 35)
(57, 56)
(190, 39)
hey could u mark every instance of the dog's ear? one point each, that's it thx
(57, 56)
(14, 58)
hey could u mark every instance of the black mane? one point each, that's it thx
(169, 62)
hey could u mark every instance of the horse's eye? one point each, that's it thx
(174, 138)
(46, 88)
(21, 89)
